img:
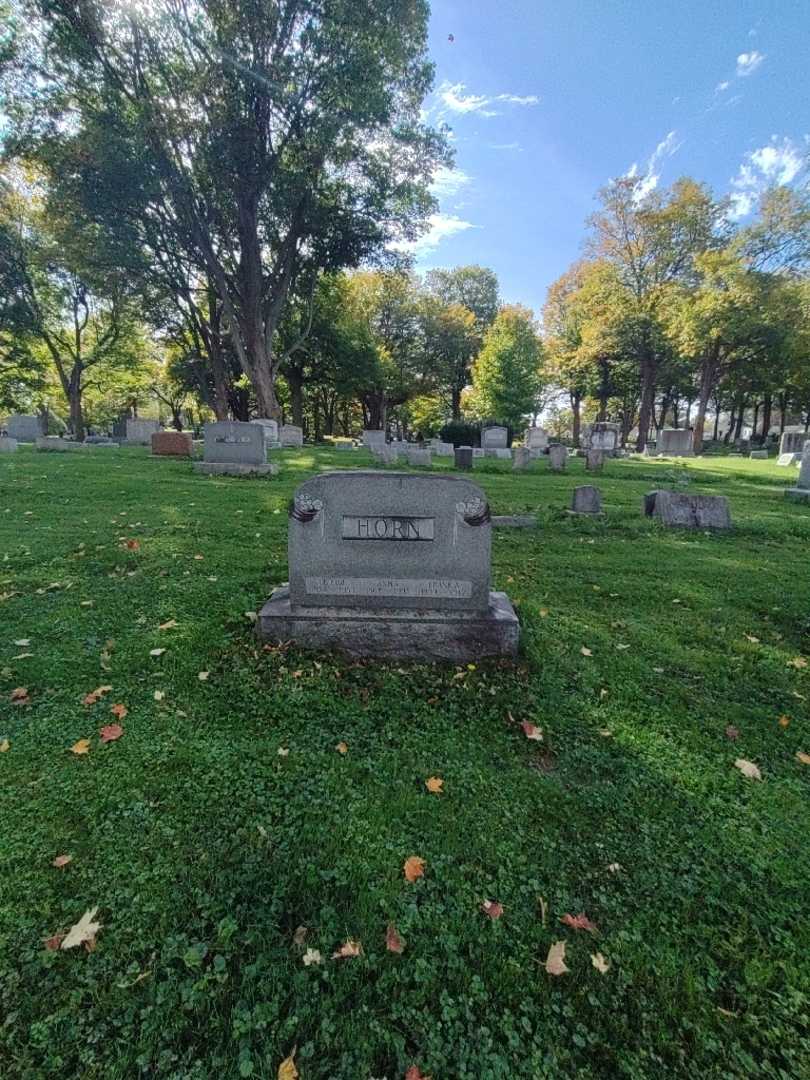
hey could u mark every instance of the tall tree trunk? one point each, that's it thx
(576, 424)
(296, 384)
(782, 399)
(676, 422)
(75, 403)
(767, 409)
(649, 373)
(708, 377)
(456, 402)
(732, 418)
(741, 404)
(754, 432)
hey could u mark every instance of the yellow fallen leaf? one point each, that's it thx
(83, 932)
(797, 662)
(203, 675)
(168, 625)
(599, 962)
(158, 695)
(748, 768)
(543, 612)
(800, 756)
(586, 652)
(348, 948)
(5, 746)
(434, 785)
(784, 721)
(287, 1069)
(342, 748)
(312, 956)
(413, 868)
(81, 747)
(555, 961)
(119, 711)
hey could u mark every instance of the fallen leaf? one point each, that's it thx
(133, 545)
(283, 751)
(110, 732)
(748, 768)
(798, 662)
(578, 922)
(492, 908)
(586, 652)
(752, 639)
(614, 867)
(619, 645)
(342, 748)
(81, 747)
(83, 932)
(312, 956)
(531, 731)
(414, 1073)
(393, 942)
(555, 961)
(168, 625)
(62, 860)
(606, 733)
(413, 868)
(95, 695)
(20, 695)
(158, 695)
(726, 1012)
(541, 900)
(732, 732)
(300, 935)
(348, 948)
(543, 613)
(599, 962)
(784, 721)
(119, 711)
(55, 942)
(23, 642)
(434, 785)
(199, 558)
(203, 675)
(156, 652)
(5, 746)
(287, 1069)
(800, 756)
(251, 615)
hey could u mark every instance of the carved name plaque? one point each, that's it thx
(428, 588)
(388, 528)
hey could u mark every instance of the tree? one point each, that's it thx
(506, 380)
(266, 141)
(451, 342)
(473, 287)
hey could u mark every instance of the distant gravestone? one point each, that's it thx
(602, 435)
(594, 460)
(171, 444)
(558, 457)
(494, 438)
(140, 432)
(586, 500)
(53, 442)
(234, 448)
(650, 449)
(502, 453)
(674, 442)
(270, 428)
(391, 565)
(536, 438)
(521, 458)
(419, 457)
(801, 493)
(792, 442)
(343, 444)
(758, 455)
(24, 428)
(676, 509)
(8, 445)
(789, 459)
(387, 455)
(373, 439)
(442, 449)
(463, 457)
(292, 435)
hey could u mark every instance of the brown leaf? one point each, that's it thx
(434, 785)
(784, 721)
(119, 711)
(555, 961)
(96, 695)
(797, 662)
(300, 935)
(133, 545)
(414, 1073)
(168, 625)
(287, 1069)
(54, 943)
(732, 732)
(748, 768)
(492, 908)
(531, 731)
(81, 747)
(62, 860)
(393, 942)
(348, 948)
(803, 757)
(342, 748)
(110, 732)
(413, 868)
(578, 922)
(19, 695)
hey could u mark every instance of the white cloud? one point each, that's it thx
(748, 62)
(442, 226)
(516, 99)
(668, 146)
(448, 181)
(506, 146)
(455, 98)
(780, 162)
(722, 86)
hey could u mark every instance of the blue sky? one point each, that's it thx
(548, 100)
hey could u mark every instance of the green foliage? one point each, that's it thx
(506, 377)
(461, 433)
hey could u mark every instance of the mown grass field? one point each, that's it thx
(205, 849)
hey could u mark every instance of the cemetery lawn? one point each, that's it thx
(224, 819)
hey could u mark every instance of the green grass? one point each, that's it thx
(205, 850)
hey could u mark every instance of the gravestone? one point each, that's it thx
(234, 448)
(441, 449)
(758, 455)
(494, 438)
(650, 449)
(514, 521)
(594, 460)
(792, 442)
(502, 453)
(678, 510)
(53, 442)
(8, 445)
(24, 428)
(602, 435)
(387, 455)
(419, 457)
(140, 432)
(343, 444)
(521, 458)
(558, 457)
(373, 439)
(463, 457)
(536, 438)
(292, 435)
(801, 493)
(99, 440)
(388, 564)
(789, 459)
(171, 444)
(586, 500)
(270, 430)
(478, 451)
(674, 442)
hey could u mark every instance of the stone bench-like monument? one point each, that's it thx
(676, 509)
(234, 448)
(391, 564)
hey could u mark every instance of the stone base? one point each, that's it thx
(798, 494)
(53, 442)
(232, 468)
(394, 633)
(514, 521)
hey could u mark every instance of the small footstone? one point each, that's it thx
(758, 455)
(594, 460)
(522, 456)
(463, 457)
(677, 510)
(557, 457)
(514, 521)
(419, 458)
(586, 500)
(171, 444)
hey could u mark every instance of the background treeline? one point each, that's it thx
(203, 212)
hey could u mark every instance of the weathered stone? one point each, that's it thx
(234, 448)
(521, 458)
(594, 460)
(7, 445)
(792, 442)
(373, 438)
(463, 457)
(419, 457)
(801, 493)
(343, 444)
(441, 449)
(500, 453)
(514, 521)
(171, 444)
(676, 509)
(479, 451)
(270, 428)
(292, 435)
(387, 455)
(601, 435)
(650, 449)
(494, 438)
(674, 442)
(392, 565)
(558, 457)
(24, 428)
(53, 442)
(535, 438)
(140, 432)
(789, 459)
(758, 455)
(586, 500)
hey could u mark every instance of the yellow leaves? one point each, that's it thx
(543, 612)
(81, 747)
(312, 956)
(83, 932)
(784, 721)
(342, 748)
(287, 1069)
(434, 785)
(348, 948)
(62, 860)
(5, 746)
(95, 695)
(797, 662)
(413, 868)
(801, 756)
(199, 558)
(393, 942)
(555, 961)
(119, 711)
(600, 963)
(748, 768)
